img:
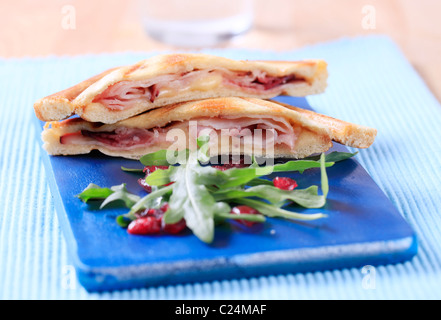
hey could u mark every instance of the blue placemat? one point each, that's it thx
(370, 83)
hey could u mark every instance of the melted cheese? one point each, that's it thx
(209, 82)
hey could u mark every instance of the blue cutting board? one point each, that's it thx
(363, 228)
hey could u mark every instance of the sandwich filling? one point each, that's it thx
(263, 132)
(124, 94)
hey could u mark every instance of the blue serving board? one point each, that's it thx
(363, 228)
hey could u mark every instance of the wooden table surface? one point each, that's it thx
(35, 28)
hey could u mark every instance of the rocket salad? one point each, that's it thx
(193, 195)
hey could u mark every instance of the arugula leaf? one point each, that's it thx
(120, 193)
(259, 182)
(159, 158)
(241, 176)
(335, 156)
(203, 148)
(202, 142)
(131, 169)
(193, 201)
(210, 176)
(273, 211)
(108, 195)
(161, 177)
(93, 191)
(150, 200)
(245, 217)
(324, 176)
(307, 198)
(123, 220)
(299, 165)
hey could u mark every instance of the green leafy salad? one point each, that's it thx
(193, 195)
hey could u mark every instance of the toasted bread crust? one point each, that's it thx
(349, 134)
(316, 134)
(60, 105)
(79, 99)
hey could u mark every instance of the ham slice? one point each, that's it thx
(124, 94)
(124, 138)
(240, 127)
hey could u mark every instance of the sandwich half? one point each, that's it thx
(246, 126)
(123, 92)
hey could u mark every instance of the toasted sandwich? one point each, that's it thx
(252, 126)
(121, 93)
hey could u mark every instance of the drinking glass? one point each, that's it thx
(196, 23)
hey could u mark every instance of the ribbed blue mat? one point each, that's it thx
(370, 83)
